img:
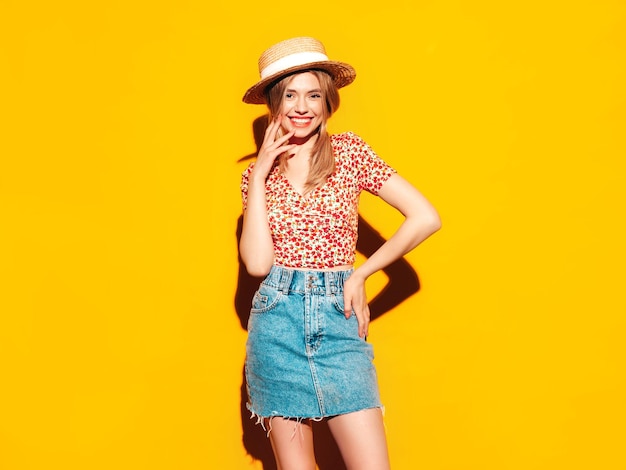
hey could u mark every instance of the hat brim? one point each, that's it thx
(342, 74)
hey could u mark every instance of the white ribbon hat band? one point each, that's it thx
(292, 60)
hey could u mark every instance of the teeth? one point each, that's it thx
(300, 121)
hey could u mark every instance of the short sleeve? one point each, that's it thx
(245, 178)
(373, 170)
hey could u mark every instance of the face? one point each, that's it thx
(302, 105)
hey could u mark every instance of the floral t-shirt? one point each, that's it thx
(320, 230)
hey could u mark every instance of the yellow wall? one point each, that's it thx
(121, 130)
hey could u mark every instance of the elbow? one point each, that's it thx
(257, 271)
(256, 267)
(257, 261)
(435, 222)
(430, 222)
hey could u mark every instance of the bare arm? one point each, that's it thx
(421, 221)
(255, 245)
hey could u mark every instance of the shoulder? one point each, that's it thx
(348, 145)
(346, 140)
(245, 175)
(246, 172)
(352, 146)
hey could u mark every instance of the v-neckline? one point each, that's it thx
(300, 195)
(293, 189)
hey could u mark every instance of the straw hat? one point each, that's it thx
(293, 55)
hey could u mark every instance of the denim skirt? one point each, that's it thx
(304, 359)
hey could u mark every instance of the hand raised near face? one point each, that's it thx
(271, 149)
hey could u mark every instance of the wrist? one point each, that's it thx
(359, 275)
(256, 181)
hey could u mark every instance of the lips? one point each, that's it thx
(300, 121)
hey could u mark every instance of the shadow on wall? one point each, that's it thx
(403, 282)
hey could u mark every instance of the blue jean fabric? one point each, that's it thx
(304, 359)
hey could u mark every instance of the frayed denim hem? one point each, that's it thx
(297, 419)
(268, 429)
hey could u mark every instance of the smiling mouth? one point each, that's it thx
(299, 121)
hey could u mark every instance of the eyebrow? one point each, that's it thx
(315, 90)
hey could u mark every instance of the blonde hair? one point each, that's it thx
(322, 162)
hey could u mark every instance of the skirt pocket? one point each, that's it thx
(265, 299)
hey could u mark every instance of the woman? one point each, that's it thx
(307, 356)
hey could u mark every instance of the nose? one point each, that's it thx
(300, 106)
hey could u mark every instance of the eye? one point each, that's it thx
(288, 96)
(316, 96)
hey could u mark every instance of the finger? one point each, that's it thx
(362, 321)
(271, 144)
(347, 306)
(285, 138)
(349, 309)
(363, 315)
(272, 129)
(287, 148)
(275, 148)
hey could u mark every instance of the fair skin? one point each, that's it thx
(360, 435)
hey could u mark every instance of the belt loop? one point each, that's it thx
(285, 280)
(330, 282)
